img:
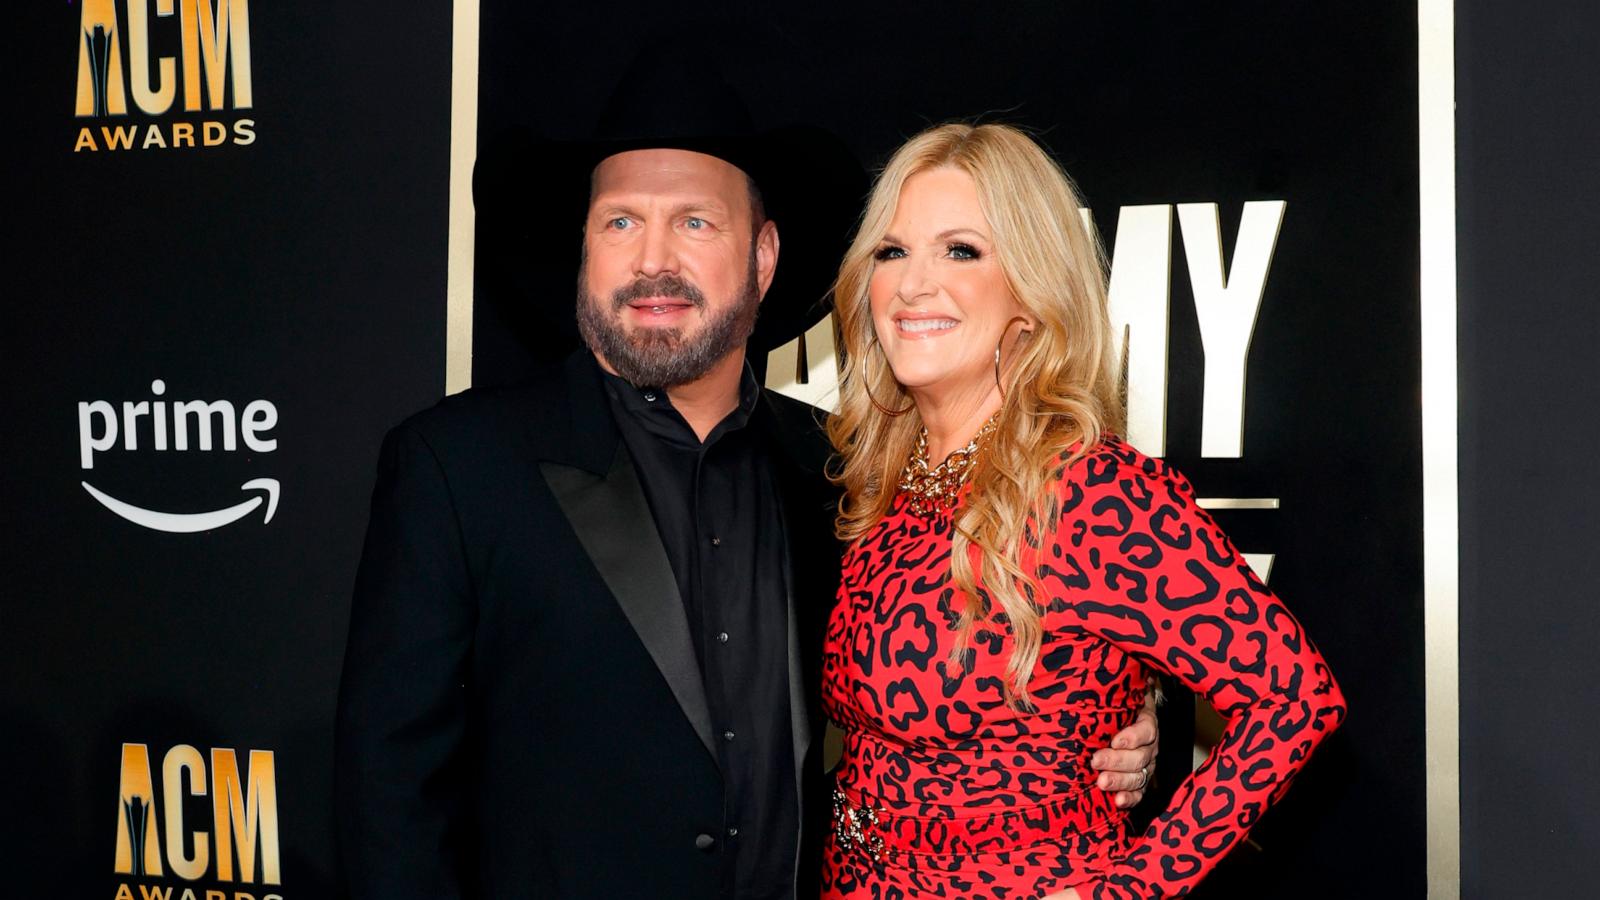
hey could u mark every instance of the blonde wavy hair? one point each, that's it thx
(1062, 383)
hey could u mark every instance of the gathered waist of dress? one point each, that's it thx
(968, 775)
(1083, 830)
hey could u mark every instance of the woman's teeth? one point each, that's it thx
(915, 325)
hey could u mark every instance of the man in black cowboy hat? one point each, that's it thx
(583, 650)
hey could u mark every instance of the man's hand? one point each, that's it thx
(1125, 767)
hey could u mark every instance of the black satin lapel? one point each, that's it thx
(798, 450)
(799, 693)
(612, 519)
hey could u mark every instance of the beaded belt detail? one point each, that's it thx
(863, 825)
(854, 827)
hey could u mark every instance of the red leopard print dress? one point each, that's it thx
(946, 791)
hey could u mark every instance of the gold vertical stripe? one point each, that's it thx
(1440, 528)
(1237, 502)
(463, 151)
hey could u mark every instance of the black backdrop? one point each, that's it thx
(307, 269)
(1530, 291)
(1148, 104)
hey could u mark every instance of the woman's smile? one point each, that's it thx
(923, 327)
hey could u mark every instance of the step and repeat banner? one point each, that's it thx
(226, 226)
(225, 230)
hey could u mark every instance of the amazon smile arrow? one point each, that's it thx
(189, 523)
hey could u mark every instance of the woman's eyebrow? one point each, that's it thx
(952, 232)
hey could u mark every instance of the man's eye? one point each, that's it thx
(889, 252)
(964, 251)
(694, 223)
(619, 223)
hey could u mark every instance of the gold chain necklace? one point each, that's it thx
(935, 488)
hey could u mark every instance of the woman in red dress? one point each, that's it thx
(1016, 571)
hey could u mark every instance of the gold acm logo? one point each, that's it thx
(233, 850)
(190, 97)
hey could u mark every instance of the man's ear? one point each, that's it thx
(766, 254)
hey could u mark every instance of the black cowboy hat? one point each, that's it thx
(532, 196)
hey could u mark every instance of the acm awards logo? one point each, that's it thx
(211, 40)
(233, 843)
(179, 426)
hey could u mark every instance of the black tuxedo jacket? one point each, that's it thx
(521, 712)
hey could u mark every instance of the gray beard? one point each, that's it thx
(663, 357)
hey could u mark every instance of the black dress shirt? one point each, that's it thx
(716, 507)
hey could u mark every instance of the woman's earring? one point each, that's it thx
(866, 385)
(1014, 320)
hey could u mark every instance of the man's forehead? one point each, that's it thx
(682, 173)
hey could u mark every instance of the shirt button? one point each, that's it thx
(733, 832)
(649, 397)
(722, 637)
(716, 542)
(727, 735)
(704, 843)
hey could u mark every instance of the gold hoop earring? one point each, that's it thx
(1000, 343)
(866, 385)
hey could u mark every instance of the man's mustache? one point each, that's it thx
(665, 285)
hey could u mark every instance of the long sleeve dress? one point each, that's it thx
(946, 790)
